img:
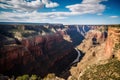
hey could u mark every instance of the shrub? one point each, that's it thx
(33, 77)
(109, 71)
(117, 46)
(25, 77)
(19, 78)
(50, 76)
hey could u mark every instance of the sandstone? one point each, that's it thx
(39, 54)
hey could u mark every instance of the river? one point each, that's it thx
(77, 59)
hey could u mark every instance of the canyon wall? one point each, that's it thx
(112, 48)
(93, 47)
(28, 51)
(43, 49)
(100, 45)
(34, 55)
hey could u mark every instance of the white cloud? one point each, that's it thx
(22, 5)
(114, 16)
(87, 6)
(51, 5)
(60, 17)
(93, 1)
(33, 16)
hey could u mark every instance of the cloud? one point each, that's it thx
(22, 8)
(22, 5)
(93, 1)
(33, 16)
(52, 5)
(114, 16)
(87, 7)
(60, 17)
(49, 4)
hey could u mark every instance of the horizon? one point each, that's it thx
(57, 11)
(10, 23)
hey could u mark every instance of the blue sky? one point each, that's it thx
(61, 11)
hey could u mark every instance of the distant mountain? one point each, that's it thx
(25, 23)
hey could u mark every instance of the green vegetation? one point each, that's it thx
(50, 76)
(33, 77)
(27, 77)
(109, 71)
(24, 77)
(117, 46)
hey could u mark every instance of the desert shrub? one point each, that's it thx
(109, 71)
(19, 78)
(50, 76)
(117, 46)
(24, 77)
(33, 77)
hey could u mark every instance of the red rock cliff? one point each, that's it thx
(39, 54)
(34, 55)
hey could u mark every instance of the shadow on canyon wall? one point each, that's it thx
(39, 55)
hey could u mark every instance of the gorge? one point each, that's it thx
(18, 52)
(52, 48)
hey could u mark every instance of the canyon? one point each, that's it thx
(45, 47)
(98, 51)
(54, 48)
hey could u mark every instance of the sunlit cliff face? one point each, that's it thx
(113, 42)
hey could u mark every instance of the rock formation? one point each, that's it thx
(100, 45)
(93, 46)
(113, 42)
(49, 48)
(34, 53)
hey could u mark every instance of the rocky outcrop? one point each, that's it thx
(110, 58)
(107, 71)
(93, 38)
(100, 45)
(93, 47)
(112, 48)
(76, 33)
(36, 53)
(41, 51)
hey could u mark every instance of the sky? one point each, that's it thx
(61, 11)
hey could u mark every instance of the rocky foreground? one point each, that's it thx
(50, 48)
(99, 54)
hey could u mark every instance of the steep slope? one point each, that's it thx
(92, 46)
(113, 42)
(108, 71)
(50, 48)
(99, 49)
(27, 46)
